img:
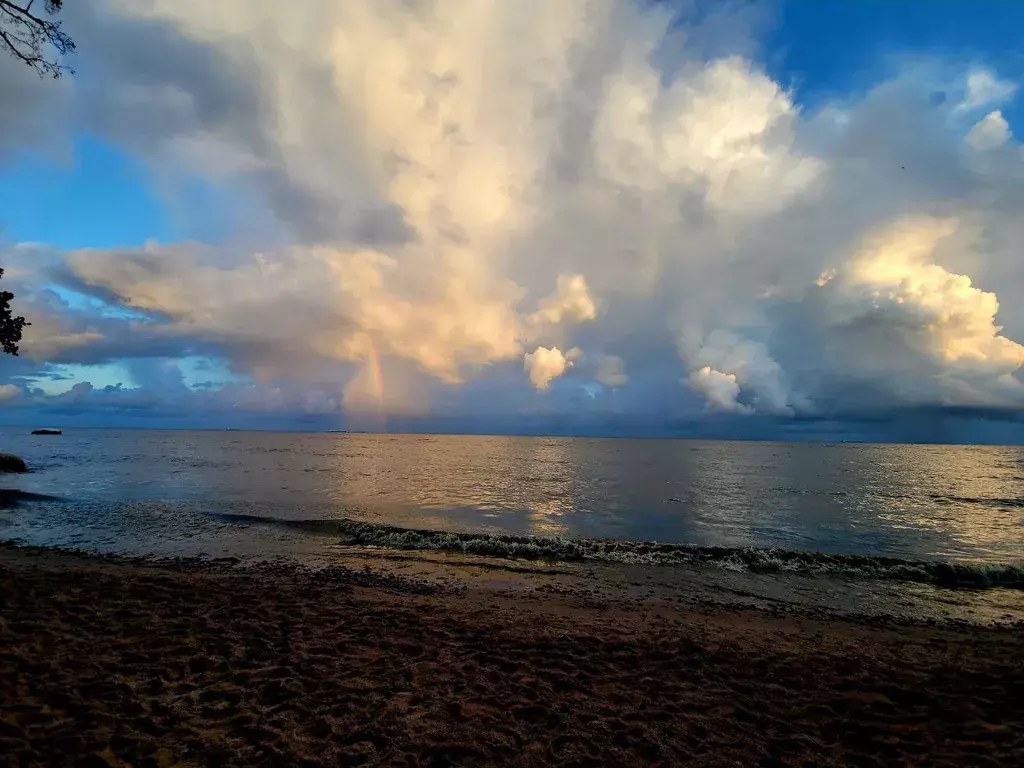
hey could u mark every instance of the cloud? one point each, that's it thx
(417, 223)
(910, 327)
(571, 302)
(990, 132)
(984, 87)
(543, 365)
(725, 128)
(719, 389)
(29, 114)
(9, 391)
(726, 366)
(294, 310)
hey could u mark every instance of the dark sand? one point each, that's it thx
(108, 663)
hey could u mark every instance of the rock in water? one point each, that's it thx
(46, 432)
(11, 463)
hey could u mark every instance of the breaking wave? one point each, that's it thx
(607, 551)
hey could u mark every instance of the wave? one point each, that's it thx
(607, 551)
(987, 502)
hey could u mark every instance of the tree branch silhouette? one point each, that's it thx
(35, 40)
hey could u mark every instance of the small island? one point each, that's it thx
(46, 432)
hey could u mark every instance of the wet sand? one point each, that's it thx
(113, 663)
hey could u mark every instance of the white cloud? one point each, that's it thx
(543, 365)
(9, 391)
(720, 390)
(725, 126)
(746, 365)
(911, 327)
(983, 87)
(990, 132)
(571, 302)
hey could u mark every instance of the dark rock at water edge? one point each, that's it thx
(11, 463)
(46, 432)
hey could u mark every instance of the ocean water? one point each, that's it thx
(948, 520)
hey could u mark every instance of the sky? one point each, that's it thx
(775, 220)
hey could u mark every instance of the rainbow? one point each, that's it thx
(376, 382)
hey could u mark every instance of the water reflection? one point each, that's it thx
(910, 501)
(499, 483)
(961, 496)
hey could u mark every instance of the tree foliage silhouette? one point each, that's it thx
(10, 326)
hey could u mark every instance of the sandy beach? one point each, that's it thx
(114, 663)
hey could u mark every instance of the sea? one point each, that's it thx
(927, 532)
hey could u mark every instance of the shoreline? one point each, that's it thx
(114, 661)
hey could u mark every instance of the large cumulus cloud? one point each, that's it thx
(447, 195)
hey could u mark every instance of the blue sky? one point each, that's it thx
(134, 185)
(98, 197)
(832, 47)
